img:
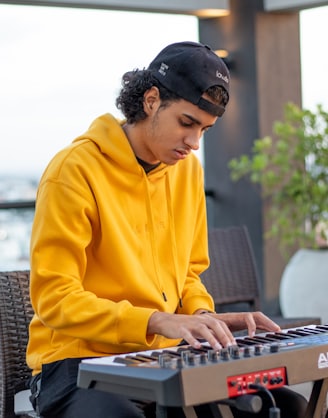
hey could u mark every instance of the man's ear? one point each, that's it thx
(151, 100)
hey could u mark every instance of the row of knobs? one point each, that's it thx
(189, 358)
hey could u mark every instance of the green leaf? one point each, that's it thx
(291, 166)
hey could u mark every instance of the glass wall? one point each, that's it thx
(60, 69)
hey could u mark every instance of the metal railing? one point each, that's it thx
(17, 204)
(26, 204)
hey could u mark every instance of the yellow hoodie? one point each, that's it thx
(110, 245)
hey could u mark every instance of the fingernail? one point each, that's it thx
(217, 346)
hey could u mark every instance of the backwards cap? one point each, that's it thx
(189, 69)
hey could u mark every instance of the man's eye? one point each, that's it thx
(185, 124)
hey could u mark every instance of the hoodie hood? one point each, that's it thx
(108, 134)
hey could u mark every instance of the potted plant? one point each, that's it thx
(291, 169)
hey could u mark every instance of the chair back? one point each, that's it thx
(232, 277)
(15, 315)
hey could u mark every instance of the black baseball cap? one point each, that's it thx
(189, 69)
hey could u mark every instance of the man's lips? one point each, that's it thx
(183, 153)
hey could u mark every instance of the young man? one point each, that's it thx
(119, 236)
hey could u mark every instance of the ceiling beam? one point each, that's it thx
(200, 8)
(291, 5)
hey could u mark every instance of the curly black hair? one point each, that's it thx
(135, 83)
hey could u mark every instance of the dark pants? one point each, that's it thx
(56, 395)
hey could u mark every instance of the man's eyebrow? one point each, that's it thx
(195, 120)
(192, 118)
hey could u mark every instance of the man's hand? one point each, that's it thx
(213, 328)
(251, 321)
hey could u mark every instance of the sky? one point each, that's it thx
(314, 59)
(61, 68)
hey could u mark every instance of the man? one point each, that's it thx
(119, 236)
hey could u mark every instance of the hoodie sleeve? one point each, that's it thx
(65, 226)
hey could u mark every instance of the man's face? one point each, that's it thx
(172, 132)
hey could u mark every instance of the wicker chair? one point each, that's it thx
(229, 280)
(15, 315)
(232, 278)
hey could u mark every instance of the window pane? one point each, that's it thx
(60, 69)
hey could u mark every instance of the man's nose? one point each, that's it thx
(192, 141)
